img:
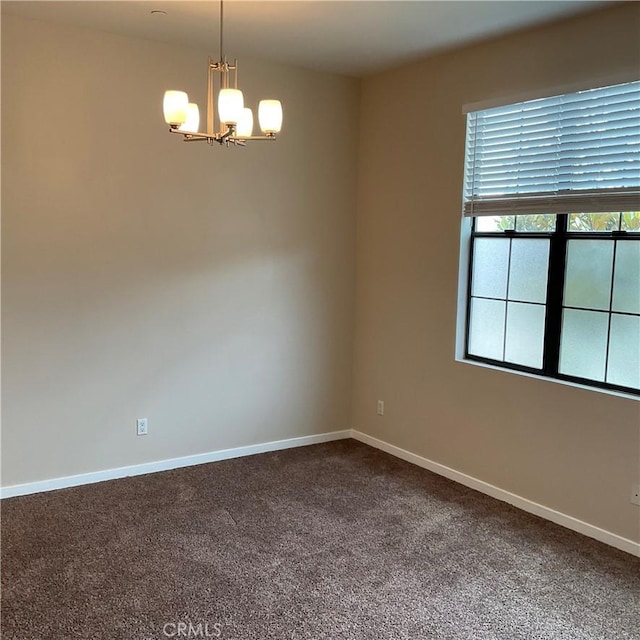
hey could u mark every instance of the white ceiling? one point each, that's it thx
(357, 37)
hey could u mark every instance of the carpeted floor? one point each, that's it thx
(334, 541)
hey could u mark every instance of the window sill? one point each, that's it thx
(610, 392)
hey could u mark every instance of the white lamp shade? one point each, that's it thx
(193, 119)
(174, 106)
(230, 105)
(270, 116)
(244, 129)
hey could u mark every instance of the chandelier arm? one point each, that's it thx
(221, 138)
(194, 137)
(228, 134)
(271, 136)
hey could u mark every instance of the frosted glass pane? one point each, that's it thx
(490, 262)
(624, 351)
(583, 347)
(588, 279)
(626, 280)
(525, 334)
(528, 270)
(486, 328)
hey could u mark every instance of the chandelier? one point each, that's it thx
(235, 121)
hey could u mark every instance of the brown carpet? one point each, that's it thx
(333, 541)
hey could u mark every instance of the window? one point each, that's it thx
(554, 276)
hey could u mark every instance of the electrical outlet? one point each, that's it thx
(380, 408)
(635, 494)
(142, 425)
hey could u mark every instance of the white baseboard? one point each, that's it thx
(569, 522)
(166, 465)
(562, 519)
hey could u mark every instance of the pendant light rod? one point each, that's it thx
(221, 30)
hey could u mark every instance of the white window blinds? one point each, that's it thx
(574, 153)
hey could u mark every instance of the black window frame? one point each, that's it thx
(558, 240)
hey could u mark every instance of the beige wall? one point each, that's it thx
(570, 449)
(210, 290)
